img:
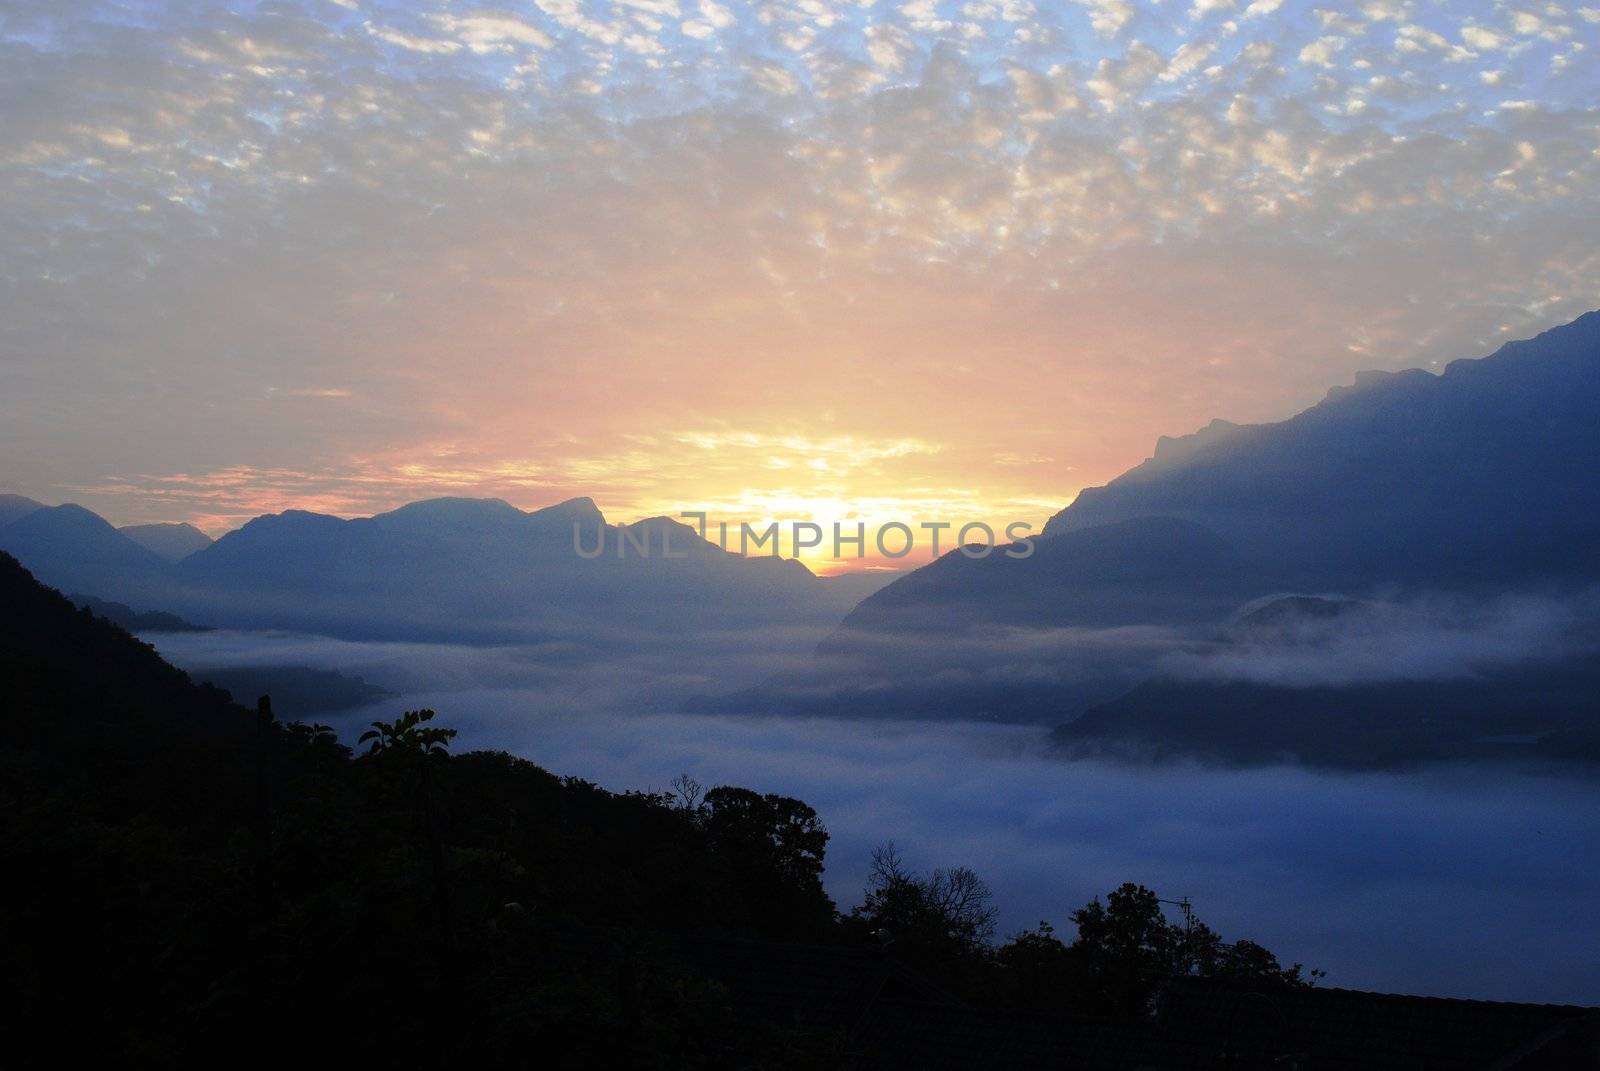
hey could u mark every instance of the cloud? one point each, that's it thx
(1108, 17)
(1202, 8)
(1116, 81)
(412, 42)
(1320, 53)
(1482, 38)
(889, 46)
(491, 32)
(773, 79)
(1187, 60)
(1418, 640)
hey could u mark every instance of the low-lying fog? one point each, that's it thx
(1466, 881)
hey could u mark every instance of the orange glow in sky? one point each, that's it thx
(819, 262)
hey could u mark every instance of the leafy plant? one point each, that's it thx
(408, 735)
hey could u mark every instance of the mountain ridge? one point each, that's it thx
(1478, 482)
(170, 541)
(1485, 468)
(448, 568)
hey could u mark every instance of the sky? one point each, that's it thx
(796, 260)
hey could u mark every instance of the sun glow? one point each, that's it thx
(807, 486)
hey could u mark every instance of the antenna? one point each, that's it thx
(1183, 904)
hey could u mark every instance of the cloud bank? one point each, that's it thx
(1467, 883)
(1429, 639)
(1464, 881)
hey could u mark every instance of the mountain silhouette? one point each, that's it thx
(1481, 481)
(74, 549)
(1482, 476)
(1123, 573)
(170, 542)
(459, 569)
(1541, 713)
(16, 507)
(124, 616)
(476, 568)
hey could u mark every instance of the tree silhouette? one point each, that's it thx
(408, 735)
(949, 911)
(773, 846)
(1128, 951)
(414, 743)
(1128, 947)
(687, 792)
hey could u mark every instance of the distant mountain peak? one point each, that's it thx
(170, 541)
(70, 513)
(16, 507)
(580, 510)
(1170, 448)
(1374, 379)
(70, 546)
(288, 518)
(1274, 613)
(581, 504)
(454, 502)
(450, 514)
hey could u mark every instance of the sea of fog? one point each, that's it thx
(1455, 881)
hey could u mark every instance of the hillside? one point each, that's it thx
(185, 872)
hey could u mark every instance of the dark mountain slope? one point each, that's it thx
(1130, 572)
(1486, 475)
(1355, 684)
(72, 548)
(183, 874)
(64, 669)
(1541, 713)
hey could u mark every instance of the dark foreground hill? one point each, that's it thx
(187, 877)
(190, 880)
